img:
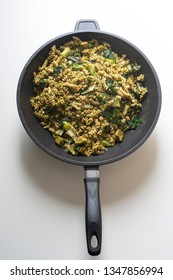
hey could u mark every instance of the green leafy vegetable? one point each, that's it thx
(91, 69)
(70, 148)
(108, 54)
(119, 83)
(90, 89)
(43, 83)
(65, 52)
(91, 44)
(57, 70)
(117, 101)
(135, 121)
(110, 61)
(106, 143)
(133, 67)
(110, 85)
(66, 125)
(76, 66)
(74, 58)
(136, 67)
(60, 132)
(108, 114)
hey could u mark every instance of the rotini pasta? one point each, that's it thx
(87, 96)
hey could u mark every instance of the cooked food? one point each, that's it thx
(87, 96)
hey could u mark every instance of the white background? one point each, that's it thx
(42, 199)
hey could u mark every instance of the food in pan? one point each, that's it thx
(88, 96)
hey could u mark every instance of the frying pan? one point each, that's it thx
(87, 30)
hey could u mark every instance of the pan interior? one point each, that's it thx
(133, 139)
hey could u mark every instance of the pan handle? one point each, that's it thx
(93, 210)
(86, 24)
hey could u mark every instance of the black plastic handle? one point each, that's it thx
(86, 24)
(93, 210)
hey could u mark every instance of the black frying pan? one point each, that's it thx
(87, 30)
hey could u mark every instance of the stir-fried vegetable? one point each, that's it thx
(88, 96)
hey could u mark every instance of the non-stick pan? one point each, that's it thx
(87, 30)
